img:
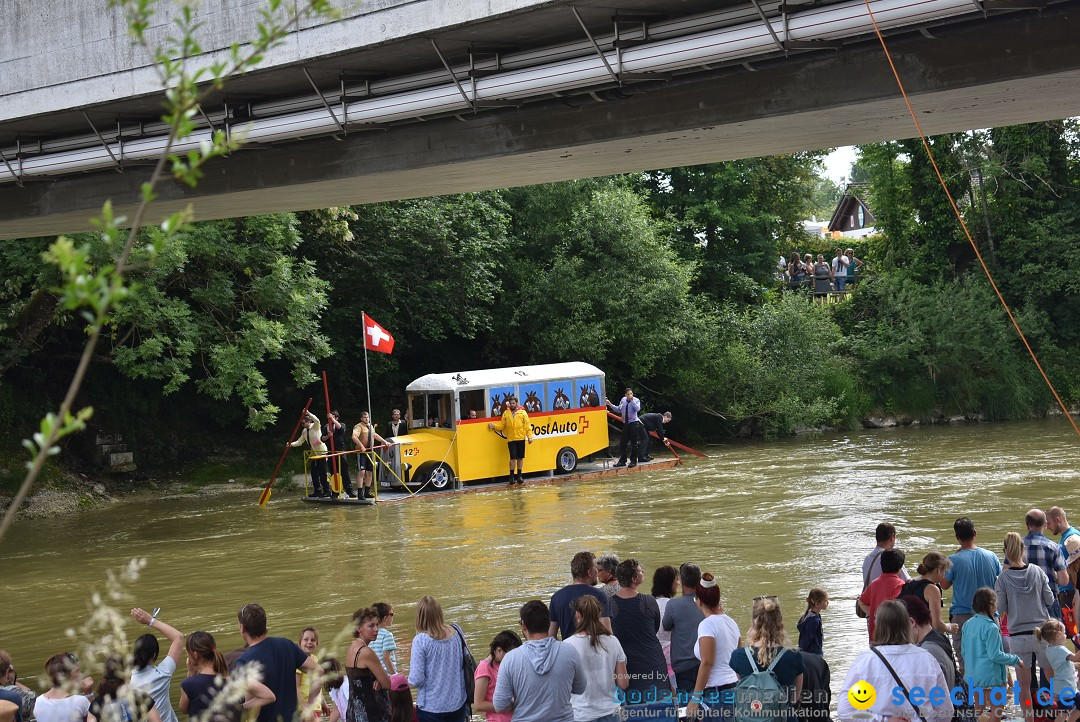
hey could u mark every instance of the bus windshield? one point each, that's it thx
(433, 411)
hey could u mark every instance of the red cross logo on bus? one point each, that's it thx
(583, 423)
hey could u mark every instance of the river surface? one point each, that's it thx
(766, 518)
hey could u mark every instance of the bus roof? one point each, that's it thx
(487, 378)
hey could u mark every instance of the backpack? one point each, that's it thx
(759, 697)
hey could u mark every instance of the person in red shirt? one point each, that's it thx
(885, 587)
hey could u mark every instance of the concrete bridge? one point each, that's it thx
(412, 98)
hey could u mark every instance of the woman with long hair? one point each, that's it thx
(116, 701)
(926, 637)
(765, 642)
(718, 638)
(487, 675)
(927, 587)
(602, 660)
(1023, 593)
(206, 678)
(435, 666)
(635, 619)
(664, 581)
(368, 681)
(914, 666)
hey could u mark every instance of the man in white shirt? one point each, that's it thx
(871, 566)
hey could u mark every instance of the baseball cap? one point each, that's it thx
(398, 682)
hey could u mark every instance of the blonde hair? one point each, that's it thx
(1049, 630)
(767, 631)
(892, 623)
(1014, 547)
(429, 618)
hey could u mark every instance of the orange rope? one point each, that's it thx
(930, 154)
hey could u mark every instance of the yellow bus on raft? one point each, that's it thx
(564, 401)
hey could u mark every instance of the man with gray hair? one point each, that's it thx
(605, 574)
(681, 618)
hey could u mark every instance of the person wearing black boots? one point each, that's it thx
(339, 464)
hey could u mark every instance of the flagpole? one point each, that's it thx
(367, 377)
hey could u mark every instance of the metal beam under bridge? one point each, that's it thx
(1004, 70)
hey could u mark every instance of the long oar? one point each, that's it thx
(265, 496)
(335, 473)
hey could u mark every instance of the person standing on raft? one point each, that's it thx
(517, 429)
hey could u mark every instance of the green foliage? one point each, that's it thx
(942, 346)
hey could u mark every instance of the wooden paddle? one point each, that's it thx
(265, 496)
(675, 443)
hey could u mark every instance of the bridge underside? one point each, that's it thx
(1001, 71)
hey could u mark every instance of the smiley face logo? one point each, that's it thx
(862, 695)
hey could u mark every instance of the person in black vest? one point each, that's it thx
(397, 426)
(653, 422)
(338, 464)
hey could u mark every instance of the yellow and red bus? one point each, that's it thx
(449, 413)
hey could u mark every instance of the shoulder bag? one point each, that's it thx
(468, 668)
(865, 583)
(899, 682)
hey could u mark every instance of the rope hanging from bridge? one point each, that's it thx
(963, 225)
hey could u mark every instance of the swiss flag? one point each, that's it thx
(375, 337)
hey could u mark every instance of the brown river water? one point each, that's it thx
(766, 518)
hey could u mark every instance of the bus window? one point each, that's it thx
(473, 401)
(417, 411)
(559, 394)
(497, 399)
(532, 397)
(588, 392)
(438, 411)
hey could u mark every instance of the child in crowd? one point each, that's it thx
(487, 674)
(337, 685)
(309, 642)
(1052, 634)
(811, 637)
(401, 704)
(384, 646)
(985, 660)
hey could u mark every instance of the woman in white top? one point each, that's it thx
(59, 704)
(718, 637)
(150, 677)
(915, 666)
(663, 590)
(602, 660)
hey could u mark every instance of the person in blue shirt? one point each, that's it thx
(1058, 523)
(972, 568)
(632, 431)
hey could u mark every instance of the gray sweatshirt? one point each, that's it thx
(537, 679)
(1024, 594)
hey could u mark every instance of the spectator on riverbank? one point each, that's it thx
(972, 568)
(663, 591)
(9, 682)
(765, 642)
(930, 639)
(1069, 541)
(718, 638)
(150, 677)
(487, 675)
(823, 278)
(385, 646)
(984, 659)
(116, 700)
(1046, 555)
(885, 535)
(59, 704)
(435, 665)
(811, 635)
(1023, 594)
(605, 574)
(583, 571)
(368, 681)
(635, 619)
(681, 618)
(278, 659)
(603, 662)
(537, 679)
(916, 667)
(885, 587)
(927, 587)
(206, 678)
(839, 270)
(854, 265)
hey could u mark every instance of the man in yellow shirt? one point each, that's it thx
(517, 429)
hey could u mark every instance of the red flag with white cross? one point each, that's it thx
(375, 337)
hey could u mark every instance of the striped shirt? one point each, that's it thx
(385, 643)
